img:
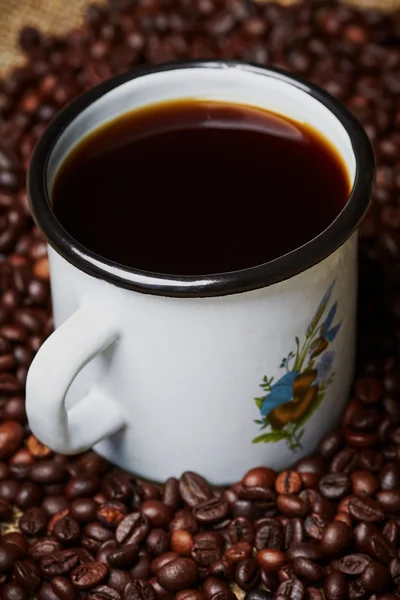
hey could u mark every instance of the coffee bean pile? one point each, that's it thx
(329, 528)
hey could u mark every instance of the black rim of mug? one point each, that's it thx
(259, 276)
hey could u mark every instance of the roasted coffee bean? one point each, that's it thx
(335, 486)
(288, 482)
(368, 389)
(27, 574)
(271, 559)
(293, 532)
(181, 542)
(389, 476)
(43, 547)
(310, 464)
(159, 541)
(117, 486)
(213, 586)
(305, 549)
(178, 574)
(55, 504)
(111, 513)
(335, 538)
(149, 491)
(389, 500)
(9, 553)
(16, 538)
(207, 547)
(194, 489)
(238, 552)
(47, 471)
(335, 586)
(211, 511)
(123, 558)
(375, 577)
(157, 513)
(363, 482)
(104, 550)
(247, 575)
(259, 477)
(13, 591)
(345, 461)
(46, 593)
(118, 579)
(246, 509)
(370, 460)
(63, 588)
(104, 592)
(307, 569)
(98, 532)
(89, 575)
(330, 444)
(391, 531)
(34, 521)
(354, 564)
(11, 436)
(81, 486)
(185, 520)
(370, 541)
(221, 568)
(83, 510)
(240, 530)
(139, 590)
(5, 510)
(269, 534)
(292, 506)
(292, 589)
(258, 595)
(257, 494)
(59, 563)
(9, 489)
(190, 595)
(162, 560)
(132, 529)
(67, 530)
(142, 568)
(171, 495)
(365, 509)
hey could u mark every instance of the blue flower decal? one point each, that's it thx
(280, 392)
(286, 405)
(324, 366)
(327, 332)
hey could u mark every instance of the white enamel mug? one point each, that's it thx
(218, 373)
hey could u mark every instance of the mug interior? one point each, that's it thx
(223, 81)
(231, 85)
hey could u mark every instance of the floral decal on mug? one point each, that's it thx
(288, 404)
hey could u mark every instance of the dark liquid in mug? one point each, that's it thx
(197, 187)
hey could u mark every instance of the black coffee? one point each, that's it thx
(197, 187)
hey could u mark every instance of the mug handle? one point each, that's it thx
(63, 355)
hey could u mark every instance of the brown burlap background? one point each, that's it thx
(57, 16)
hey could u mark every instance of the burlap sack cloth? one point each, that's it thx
(58, 16)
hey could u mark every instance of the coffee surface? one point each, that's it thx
(195, 187)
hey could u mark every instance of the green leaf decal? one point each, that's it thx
(272, 436)
(259, 402)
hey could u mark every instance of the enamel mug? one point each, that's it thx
(217, 373)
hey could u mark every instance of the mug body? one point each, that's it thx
(190, 372)
(217, 373)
